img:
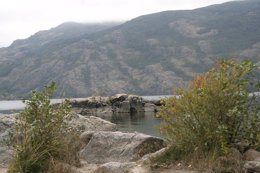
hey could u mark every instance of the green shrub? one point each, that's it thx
(41, 134)
(214, 113)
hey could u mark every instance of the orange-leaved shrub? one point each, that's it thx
(218, 110)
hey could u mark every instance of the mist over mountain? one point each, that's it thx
(147, 55)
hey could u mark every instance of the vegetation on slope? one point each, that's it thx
(134, 57)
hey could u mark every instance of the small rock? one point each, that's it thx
(252, 155)
(252, 166)
(115, 167)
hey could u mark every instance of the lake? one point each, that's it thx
(144, 122)
(140, 122)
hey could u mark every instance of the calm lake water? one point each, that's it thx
(141, 122)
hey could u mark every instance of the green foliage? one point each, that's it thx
(214, 113)
(41, 133)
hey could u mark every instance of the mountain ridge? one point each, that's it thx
(147, 55)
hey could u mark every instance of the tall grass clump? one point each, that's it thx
(41, 136)
(214, 113)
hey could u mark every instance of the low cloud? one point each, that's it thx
(20, 19)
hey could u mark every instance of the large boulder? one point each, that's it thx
(103, 147)
(123, 103)
(90, 123)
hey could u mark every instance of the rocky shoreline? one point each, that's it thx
(104, 148)
(102, 144)
(105, 107)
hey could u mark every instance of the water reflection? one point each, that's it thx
(140, 122)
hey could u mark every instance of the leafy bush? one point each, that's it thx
(41, 134)
(214, 113)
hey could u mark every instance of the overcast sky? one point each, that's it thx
(21, 18)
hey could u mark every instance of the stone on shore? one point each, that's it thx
(252, 167)
(91, 123)
(252, 163)
(252, 155)
(102, 147)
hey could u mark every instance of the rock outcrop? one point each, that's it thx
(103, 147)
(105, 107)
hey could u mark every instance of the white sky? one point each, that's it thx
(21, 18)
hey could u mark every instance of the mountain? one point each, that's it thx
(147, 55)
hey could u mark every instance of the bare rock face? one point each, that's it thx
(103, 147)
